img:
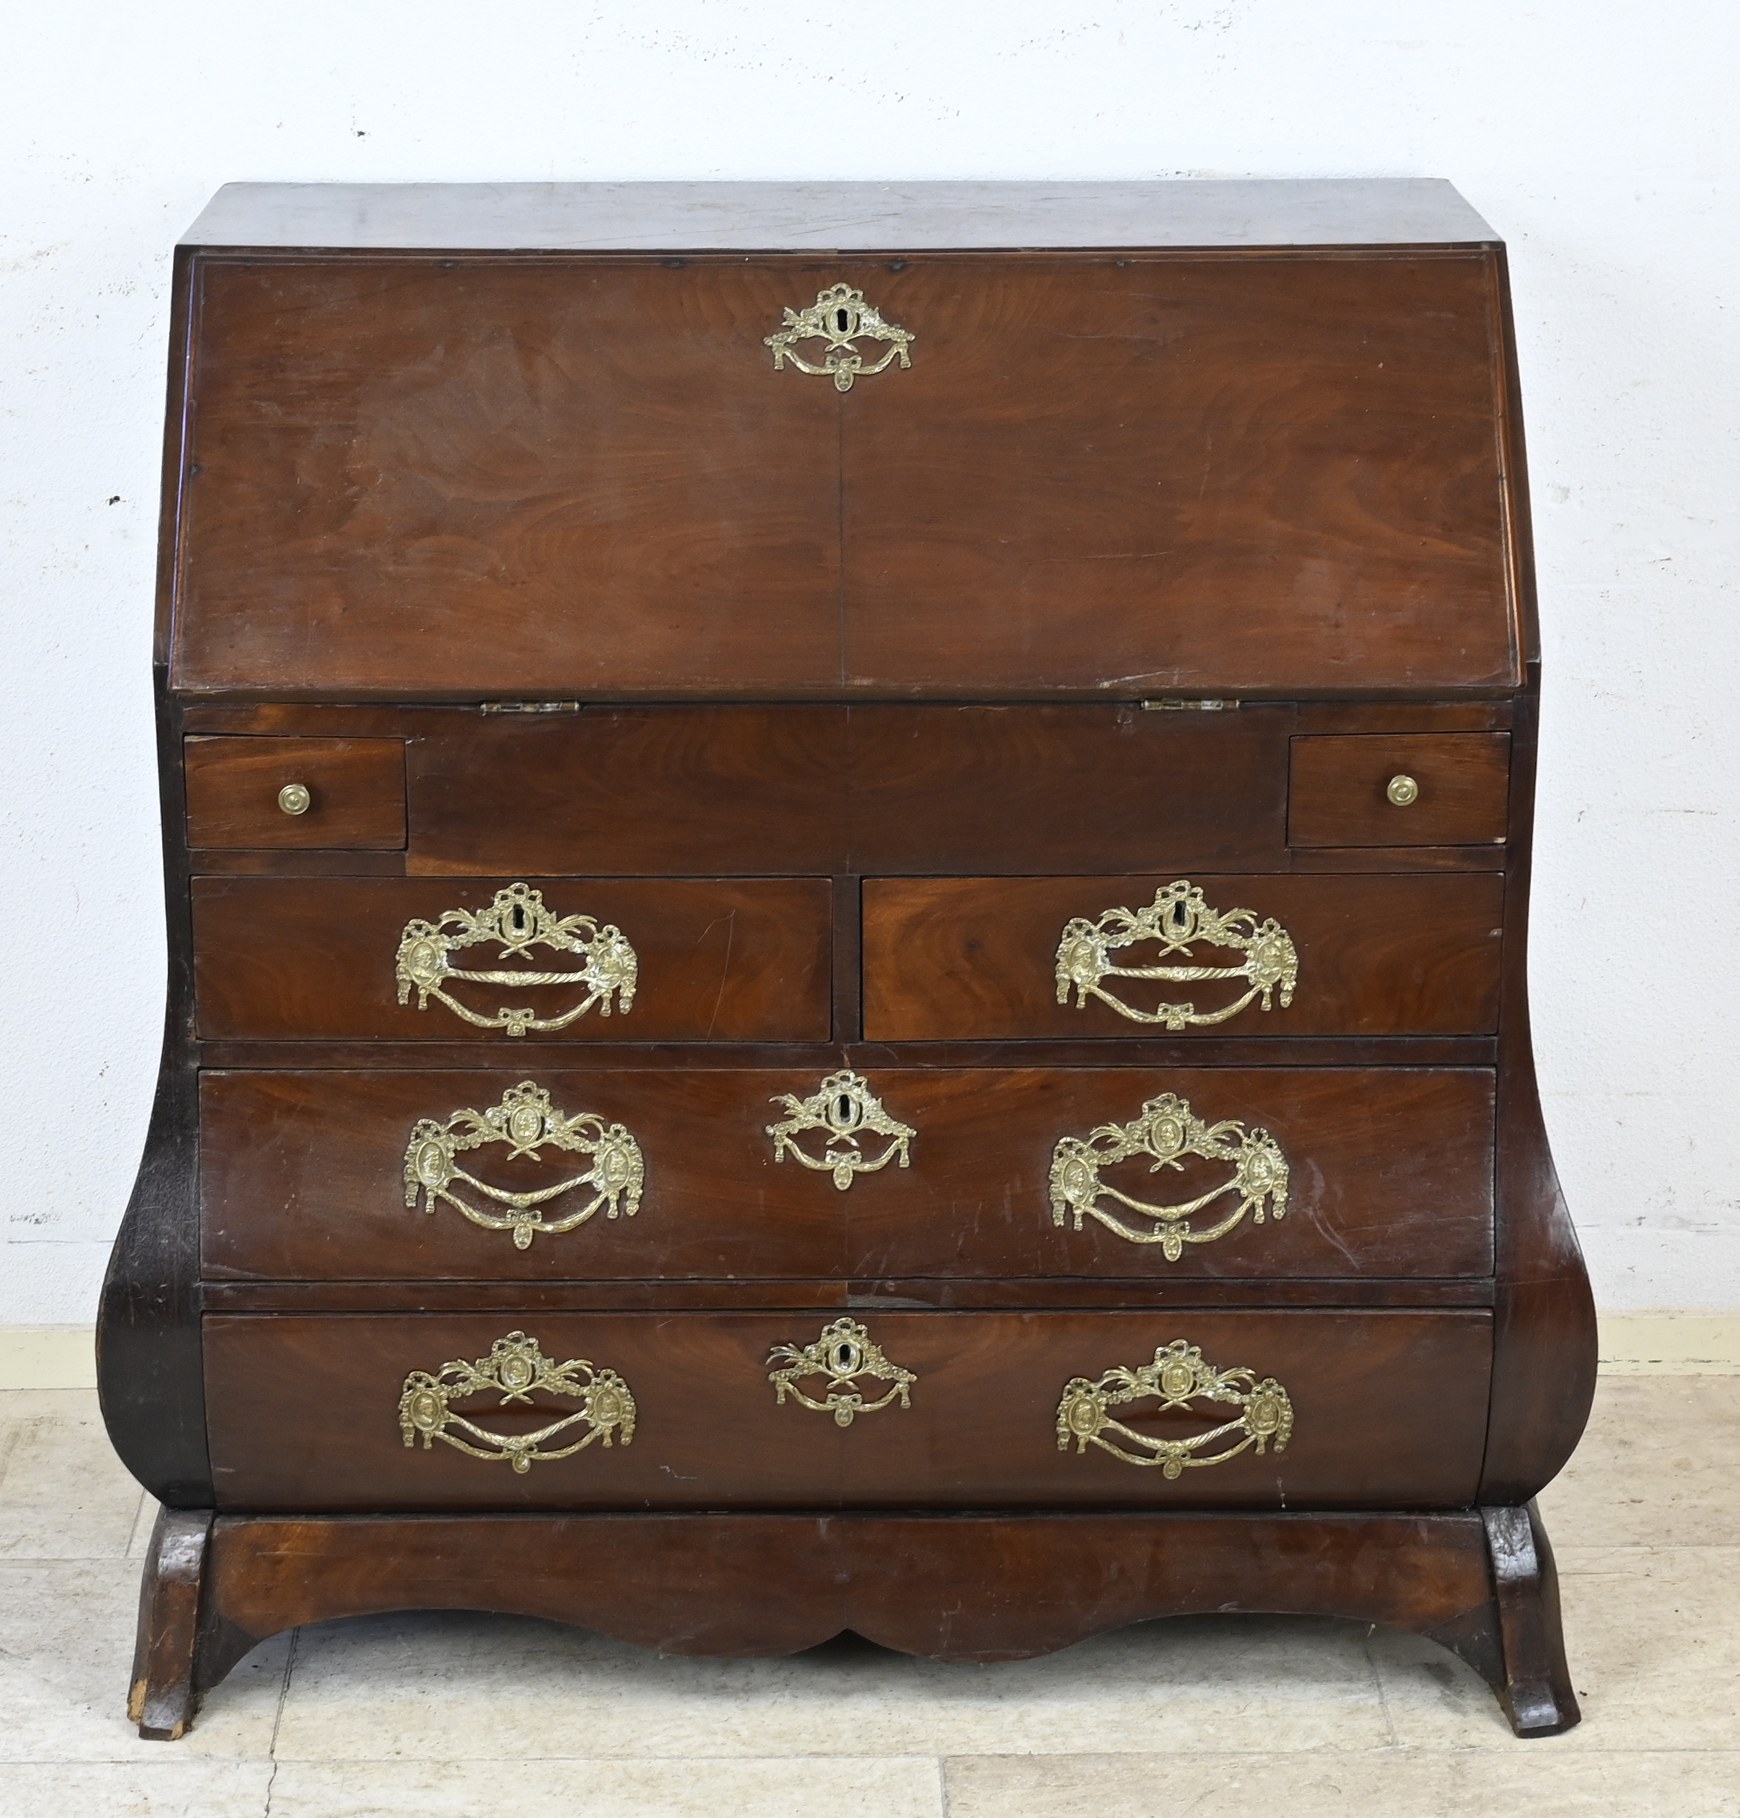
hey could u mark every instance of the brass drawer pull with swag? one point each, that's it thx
(844, 1355)
(1177, 920)
(516, 1369)
(845, 1109)
(1166, 1134)
(516, 920)
(1177, 1377)
(840, 318)
(525, 1123)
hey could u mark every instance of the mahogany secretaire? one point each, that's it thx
(847, 894)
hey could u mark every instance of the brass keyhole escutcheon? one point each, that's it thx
(845, 336)
(295, 798)
(848, 1112)
(1403, 791)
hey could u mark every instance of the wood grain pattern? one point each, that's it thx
(635, 791)
(357, 786)
(900, 1294)
(1336, 793)
(402, 719)
(1544, 1328)
(1169, 473)
(962, 1588)
(1147, 474)
(163, 1693)
(302, 1178)
(771, 789)
(1390, 1409)
(974, 958)
(300, 959)
(974, 788)
(484, 477)
(827, 217)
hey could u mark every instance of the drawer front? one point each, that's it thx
(1406, 789)
(1001, 1174)
(387, 959)
(991, 958)
(790, 789)
(1376, 1410)
(634, 791)
(291, 794)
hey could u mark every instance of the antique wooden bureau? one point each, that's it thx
(847, 891)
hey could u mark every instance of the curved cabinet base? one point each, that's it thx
(1481, 1582)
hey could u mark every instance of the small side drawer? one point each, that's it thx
(1404, 789)
(293, 794)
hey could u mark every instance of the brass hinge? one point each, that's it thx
(1181, 706)
(529, 707)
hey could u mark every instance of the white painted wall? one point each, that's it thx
(1601, 139)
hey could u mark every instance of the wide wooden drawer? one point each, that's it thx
(998, 958)
(1385, 1409)
(1245, 1174)
(640, 791)
(387, 958)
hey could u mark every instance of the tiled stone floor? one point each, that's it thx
(449, 1716)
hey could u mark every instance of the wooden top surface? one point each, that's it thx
(838, 217)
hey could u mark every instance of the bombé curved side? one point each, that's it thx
(1544, 1340)
(149, 1368)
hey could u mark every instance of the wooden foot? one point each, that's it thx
(1535, 1684)
(164, 1693)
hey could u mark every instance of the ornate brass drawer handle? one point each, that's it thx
(518, 920)
(1177, 919)
(516, 1369)
(844, 1107)
(843, 1355)
(840, 318)
(524, 1123)
(1166, 1133)
(1177, 1377)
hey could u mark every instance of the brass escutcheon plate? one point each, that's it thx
(516, 920)
(1177, 1377)
(843, 1356)
(1178, 920)
(516, 1369)
(845, 1111)
(525, 1123)
(1166, 1135)
(839, 319)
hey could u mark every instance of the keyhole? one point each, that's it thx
(842, 319)
(518, 917)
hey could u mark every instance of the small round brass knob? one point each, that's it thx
(294, 798)
(1403, 791)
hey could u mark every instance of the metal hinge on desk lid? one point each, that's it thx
(1167, 705)
(529, 706)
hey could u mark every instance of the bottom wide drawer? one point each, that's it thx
(1367, 1409)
